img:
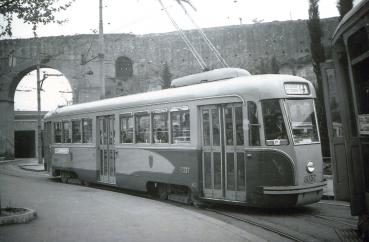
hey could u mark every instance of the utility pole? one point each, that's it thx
(101, 50)
(39, 132)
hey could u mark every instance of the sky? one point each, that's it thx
(147, 16)
(56, 91)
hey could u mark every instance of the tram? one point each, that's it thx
(226, 137)
(347, 101)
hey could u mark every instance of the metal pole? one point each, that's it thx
(39, 133)
(101, 50)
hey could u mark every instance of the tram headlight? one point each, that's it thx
(310, 167)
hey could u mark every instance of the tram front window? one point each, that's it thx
(274, 126)
(304, 125)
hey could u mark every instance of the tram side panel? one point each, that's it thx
(268, 168)
(135, 168)
(80, 160)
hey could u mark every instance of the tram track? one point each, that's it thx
(334, 204)
(269, 228)
(328, 218)
(312, 223)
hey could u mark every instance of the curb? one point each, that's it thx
(24, 167)
(29, 215)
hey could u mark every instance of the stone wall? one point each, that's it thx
(279, 47)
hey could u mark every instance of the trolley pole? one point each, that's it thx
(39, 132)
(101, 50)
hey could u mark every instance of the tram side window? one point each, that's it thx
(57, 132)
(142, 123)
(239, 125)
(254, 126)
(67, 133)
(160, 127)
(180, 124)
(76, 131)
(126, 128)
(86, 130)
(275, 129)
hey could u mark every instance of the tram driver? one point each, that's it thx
(276, 128)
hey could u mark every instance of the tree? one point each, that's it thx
(33, 12)
(344, 6)
(317, 55)
(166, 76)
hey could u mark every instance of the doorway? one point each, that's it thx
(223, 160)
(106, 148)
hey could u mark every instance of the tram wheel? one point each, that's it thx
(197, 203)
(162, 191)
(64, 177)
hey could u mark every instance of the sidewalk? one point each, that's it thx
(32, 165)
(29, 164)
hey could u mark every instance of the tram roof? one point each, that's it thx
(253, 87)
(355, 14)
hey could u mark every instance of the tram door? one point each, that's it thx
(106, 149)
(223, 160)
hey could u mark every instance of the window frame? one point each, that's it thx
(69, 131)
(160, 111)
(130, 115)
(80, 126)
(61, 132)
(179, 109)
(289, 121)
(140, 113)
(83, 133)
(276, 142)
(253, 125)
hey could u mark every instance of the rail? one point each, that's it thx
(261, 225)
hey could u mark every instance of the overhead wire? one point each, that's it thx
(203, 35)
(193, 50)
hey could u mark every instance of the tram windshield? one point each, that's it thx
(274, 125)
(303, 122)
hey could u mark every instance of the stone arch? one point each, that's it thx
(19, 76)
(123, 68)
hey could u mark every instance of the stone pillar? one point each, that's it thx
(6, 128)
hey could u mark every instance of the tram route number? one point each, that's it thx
(184, 170)
(311, 178)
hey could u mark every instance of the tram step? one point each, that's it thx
(179, 198)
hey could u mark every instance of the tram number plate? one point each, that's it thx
(311, 178)
(184, 170)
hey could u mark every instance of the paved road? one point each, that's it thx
(76, 213)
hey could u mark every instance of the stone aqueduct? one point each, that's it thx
(135, 63)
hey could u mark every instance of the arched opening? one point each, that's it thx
(123, 68)
(55, 92)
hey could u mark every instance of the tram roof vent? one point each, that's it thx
(209, 76)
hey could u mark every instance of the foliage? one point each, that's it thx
(318, 57)
(166, 77)
(344, 6)
(33, 12)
